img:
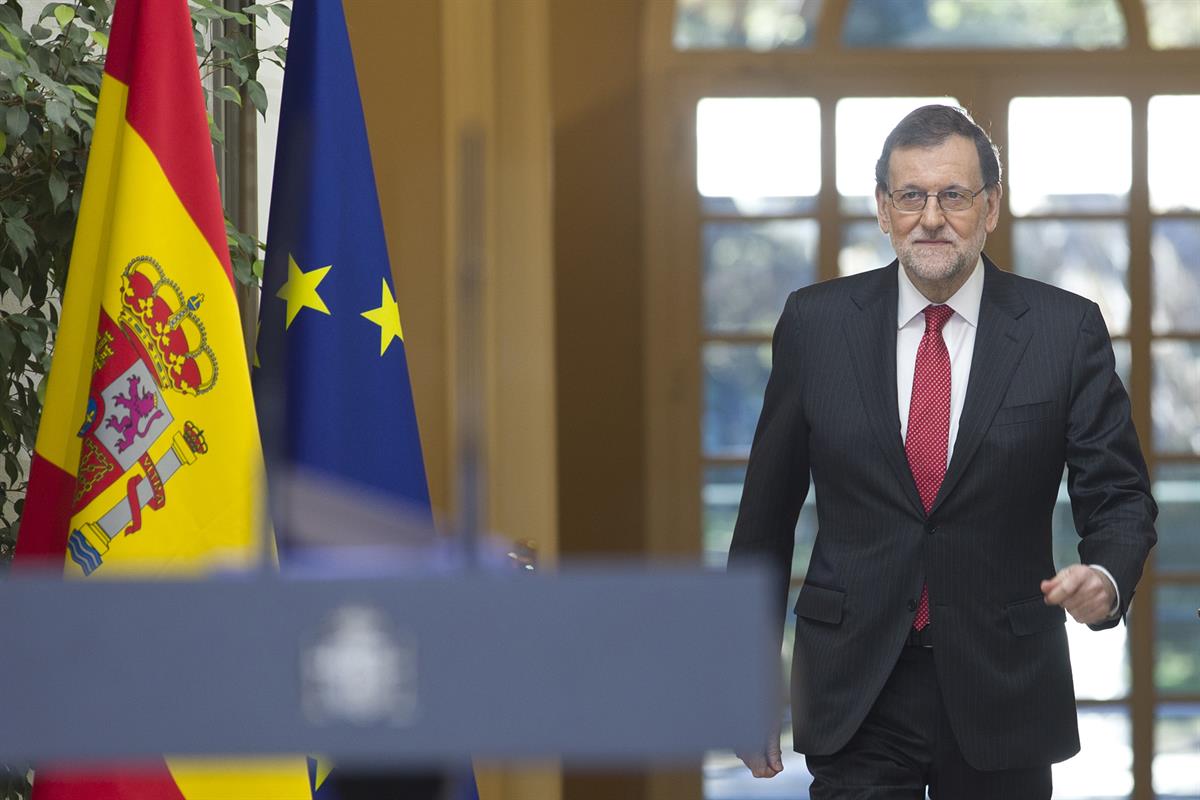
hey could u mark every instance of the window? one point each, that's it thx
(750, 24)
(1101, 174)
(1086, 24)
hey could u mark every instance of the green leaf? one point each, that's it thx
(8, 343)
(100, 38)
(283, 12)
(57, 112)
(20, 234)
(230, 94)
(3, 142)
(258, 96)
(219, 10)
(12, 281)
(256, 10)
(64, 14)
(257, 268)
(16, 119)
(14, 44)
(35, 342)
(83, 92)
(58, 188)
(239, 69)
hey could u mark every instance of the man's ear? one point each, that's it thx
(882, 209)
(994, 193)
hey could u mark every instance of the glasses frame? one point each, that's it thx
(971, 196)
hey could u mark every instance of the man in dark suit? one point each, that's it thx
(934, 402)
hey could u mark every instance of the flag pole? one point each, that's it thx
(472, 502)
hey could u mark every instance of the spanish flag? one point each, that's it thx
(148, 461)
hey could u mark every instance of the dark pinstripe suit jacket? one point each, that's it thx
(1042, 392)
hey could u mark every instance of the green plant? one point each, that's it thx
(50, 71)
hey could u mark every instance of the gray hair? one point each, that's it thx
(929, 126)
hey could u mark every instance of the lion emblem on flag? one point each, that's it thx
(157, 347)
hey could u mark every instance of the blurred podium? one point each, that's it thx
(600, 664)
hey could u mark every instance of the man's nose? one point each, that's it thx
(932, 216)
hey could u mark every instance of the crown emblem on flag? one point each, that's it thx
(164, 318)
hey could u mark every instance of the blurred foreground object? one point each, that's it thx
(603, 665)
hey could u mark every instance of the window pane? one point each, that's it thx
(864, 247)
(1087, 258)
(1069, 154)
(1177, 491)
(1104, 767)
(862, 123)
(749, 148)
(745, 24)
(1124, 358)
(757, 206)
(722, 495)
(1175, 249)
(984, 23)
(1177, 640)
(1173, 23)
(1177, 752)
(735, 376)
(750, 268)
(1174, 168)
(1099, 659)
(1173, 405)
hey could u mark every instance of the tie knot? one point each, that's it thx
(936, 316)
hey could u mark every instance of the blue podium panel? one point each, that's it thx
(607, 664)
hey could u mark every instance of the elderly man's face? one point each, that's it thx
(935, 246)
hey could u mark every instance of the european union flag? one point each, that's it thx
(331, 337)
(333, 393)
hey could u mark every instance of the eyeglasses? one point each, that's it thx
(912, 201)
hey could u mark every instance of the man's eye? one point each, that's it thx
(911, 195)
(952, 195)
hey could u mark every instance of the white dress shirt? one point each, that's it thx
(959, 336)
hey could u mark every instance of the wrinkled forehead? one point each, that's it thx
(953, 162)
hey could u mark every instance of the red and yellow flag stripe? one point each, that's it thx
(147, 460)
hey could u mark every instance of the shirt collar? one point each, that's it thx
(965, 301)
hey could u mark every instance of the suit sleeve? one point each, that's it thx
(1106, 474)
(777, 477)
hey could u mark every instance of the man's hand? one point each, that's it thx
(766, 763)
(1084, 592)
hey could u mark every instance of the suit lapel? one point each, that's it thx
(871, 334)
(999, 343)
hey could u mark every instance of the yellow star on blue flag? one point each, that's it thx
(387, 317)
(300, 290)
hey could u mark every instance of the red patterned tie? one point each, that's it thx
(929, 421)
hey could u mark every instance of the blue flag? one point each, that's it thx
(329, 310)
(332, 386)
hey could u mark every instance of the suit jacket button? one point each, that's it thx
(930, 528)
